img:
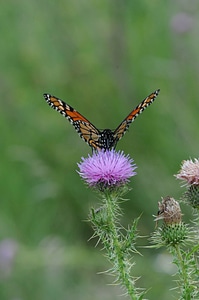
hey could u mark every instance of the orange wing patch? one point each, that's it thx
(75, 116)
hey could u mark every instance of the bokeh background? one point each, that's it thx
(103, 58)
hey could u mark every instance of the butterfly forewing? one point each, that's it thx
(87, 131)
(122, 128)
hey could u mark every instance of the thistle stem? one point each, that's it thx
(186, 284)
(117, 256)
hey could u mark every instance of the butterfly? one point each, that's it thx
(98, 139)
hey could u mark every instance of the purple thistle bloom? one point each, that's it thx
(107, 168)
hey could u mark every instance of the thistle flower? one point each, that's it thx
(173, 231)
(178, 239)
(107, 169)
(189, 173)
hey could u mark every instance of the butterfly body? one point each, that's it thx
(97, 139)
(106, 140)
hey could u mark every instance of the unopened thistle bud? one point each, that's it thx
(173, 231)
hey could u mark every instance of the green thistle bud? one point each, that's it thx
(191, 196)
(173, 234)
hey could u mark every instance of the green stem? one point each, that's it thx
(187, 292)
(121, 262)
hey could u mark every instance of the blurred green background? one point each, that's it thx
(103, 58)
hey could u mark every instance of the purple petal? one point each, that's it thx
(108, 167)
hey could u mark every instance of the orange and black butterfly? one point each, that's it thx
(98, 139)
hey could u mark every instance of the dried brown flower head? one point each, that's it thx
(169, 211)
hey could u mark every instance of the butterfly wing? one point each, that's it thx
(123, 127)
(86, 130)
